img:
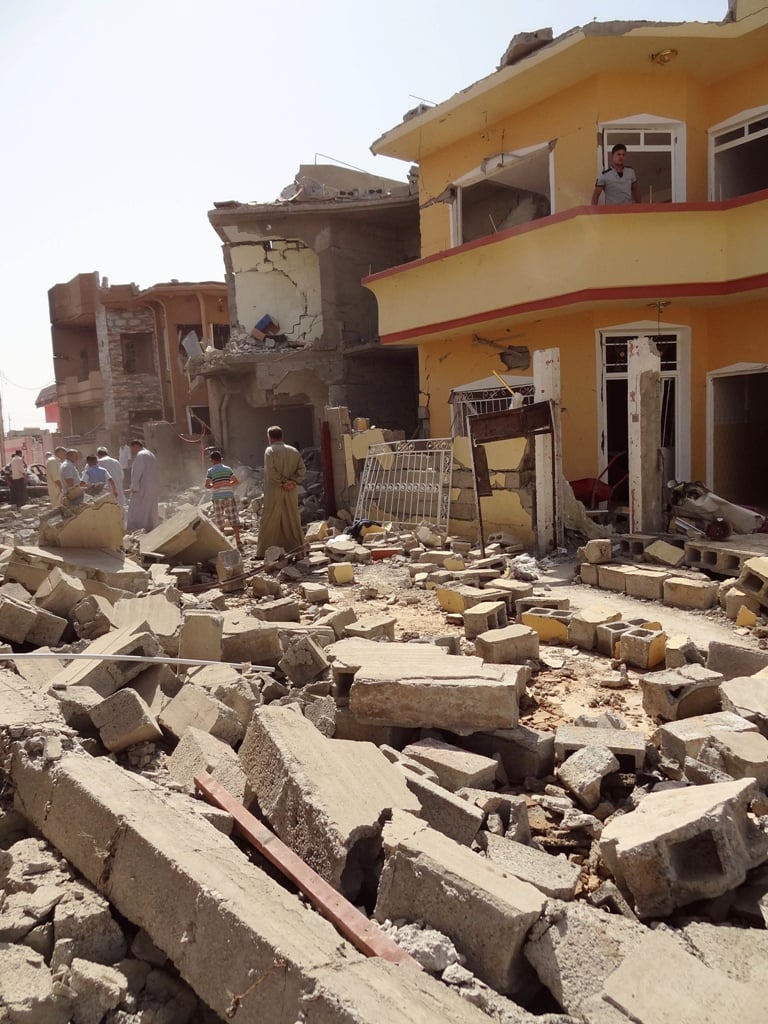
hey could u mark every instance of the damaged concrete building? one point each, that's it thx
(304, 330)
(121, 355)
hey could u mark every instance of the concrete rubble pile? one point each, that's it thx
(591, 873)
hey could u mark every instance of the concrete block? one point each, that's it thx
(484, 616)
(98, 524)
(201, 635)
(512, 645)
(642, 648)
(420, 685)
(193, 706)
(314, 593)
(510, 811)
(627, 745)
(455, 768)
(444, 811)
(489, 913)
(523, 752)
(664, 554)
(27, 992)
(47, 629)
(459, 598)
(734, 661)
(607, 635)
(161, 611)
(59, 592)
(682, 845)
(75, 704)
(186, 538)
(197, 752)
(646, 583)
(597, 552)
(574, 948)
(16, 620)
(156, 685)
(337, 620)
(583, 771)
(376, 627)
(740, 953)
(524, 604)
(554, 876)
(124, 719)
(680, 693)
(737, 598)
(83, 919)
(114, 830)
(105, 677)
(588, 574)
(680, 592)
(282, 609)
(303, 661)
(265, 586)
(551, 624)
(98, 988)
(341, 573)
(678, 740)
(740, 755)
(248, 639)
(754, 578)
(747, 697)
(681, 651)
(614, 577)
(92, 617)
(582, 629)
(325, 798)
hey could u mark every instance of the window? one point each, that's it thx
(656, 152)
(739, 157)
(506, 190)
(138, 354)
(487, 395)
(189, 346)
(199, 417)
(220, 335)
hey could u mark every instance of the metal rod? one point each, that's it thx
(159, 660)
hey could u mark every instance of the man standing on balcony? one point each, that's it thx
(618, 182)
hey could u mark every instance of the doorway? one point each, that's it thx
(737, 449)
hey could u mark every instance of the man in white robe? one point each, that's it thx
(145, 490)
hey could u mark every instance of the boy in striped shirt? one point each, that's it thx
(222, 481)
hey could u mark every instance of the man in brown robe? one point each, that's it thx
(281, 522)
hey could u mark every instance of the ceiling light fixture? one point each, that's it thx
(662, 56)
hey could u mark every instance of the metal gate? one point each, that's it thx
(407, 482)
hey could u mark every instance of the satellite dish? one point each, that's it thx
(290, 192)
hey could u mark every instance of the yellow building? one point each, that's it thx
(516, 259)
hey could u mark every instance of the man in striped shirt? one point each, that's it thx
(222, 481)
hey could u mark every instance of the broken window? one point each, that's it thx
(138, 352)
(740, 157)
(220, 335)
(199, 417)
(487, 395)
(653, 151)
(506, 190)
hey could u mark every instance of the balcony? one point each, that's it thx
(73, 392)
(580, 257)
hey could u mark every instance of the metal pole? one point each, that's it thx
(159, 660)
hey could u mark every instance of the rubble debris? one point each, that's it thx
(186, 537)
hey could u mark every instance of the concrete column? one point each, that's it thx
(549, 525)
(644, 399)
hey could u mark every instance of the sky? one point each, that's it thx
(122, 122)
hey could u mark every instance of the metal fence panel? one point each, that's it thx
(407, 482)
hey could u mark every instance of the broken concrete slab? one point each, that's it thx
(678, 740)
(739, 953)
(582, 773)
(27, 990)
(454, 767)
(16, 619)
(682, 845)
(449, 814)
(231, 921)
(105, 677)
(93, 524)
(732, 660)
(245, 639)
(326, 799)
(200, 635)
(627, 745)
(198, 752)
(740, 755)
(124, 719)
(490, 912)
(39, 672)
(747, 696)
(417, 685)
(59, 592)
(673, 694)
(554, 876)
(47, 629)
(303, 661)
(523, 752)
(92, 617)
(161, 610)
(187, 537)
(30, 566)
(194, 707)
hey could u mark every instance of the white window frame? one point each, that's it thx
(742, 118)
(682, 377)
(649, 123)
(486, 172)
(734, 370)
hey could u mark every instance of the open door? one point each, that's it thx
(737, 434)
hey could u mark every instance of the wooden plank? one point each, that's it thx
(364, 934)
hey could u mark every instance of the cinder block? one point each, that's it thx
(524, 752)
(512, 645)
(737, 598)
(483, 617)
(452, 816)
(303, 661)
(550, 623)
(680, 592)
(627, 745)
(754, 578)
(598, 552)
(459, 598)
(588, 574)
(197, 752)
(192, 706)
(59, 592)
(583, 771)
(341, 573)
(200, 636)
(683, 845)
(664, 554)
(47, 629)
(582, 629)
(642, 648)
(282, 609)
(314, 593)
(684, 692)
(556, 877)
(347, 727)
(524, 604)
(646, 583)
(685, 738)
(124, 719)
(16, 620)
(608, 635)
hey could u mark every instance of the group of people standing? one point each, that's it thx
(134, 480)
